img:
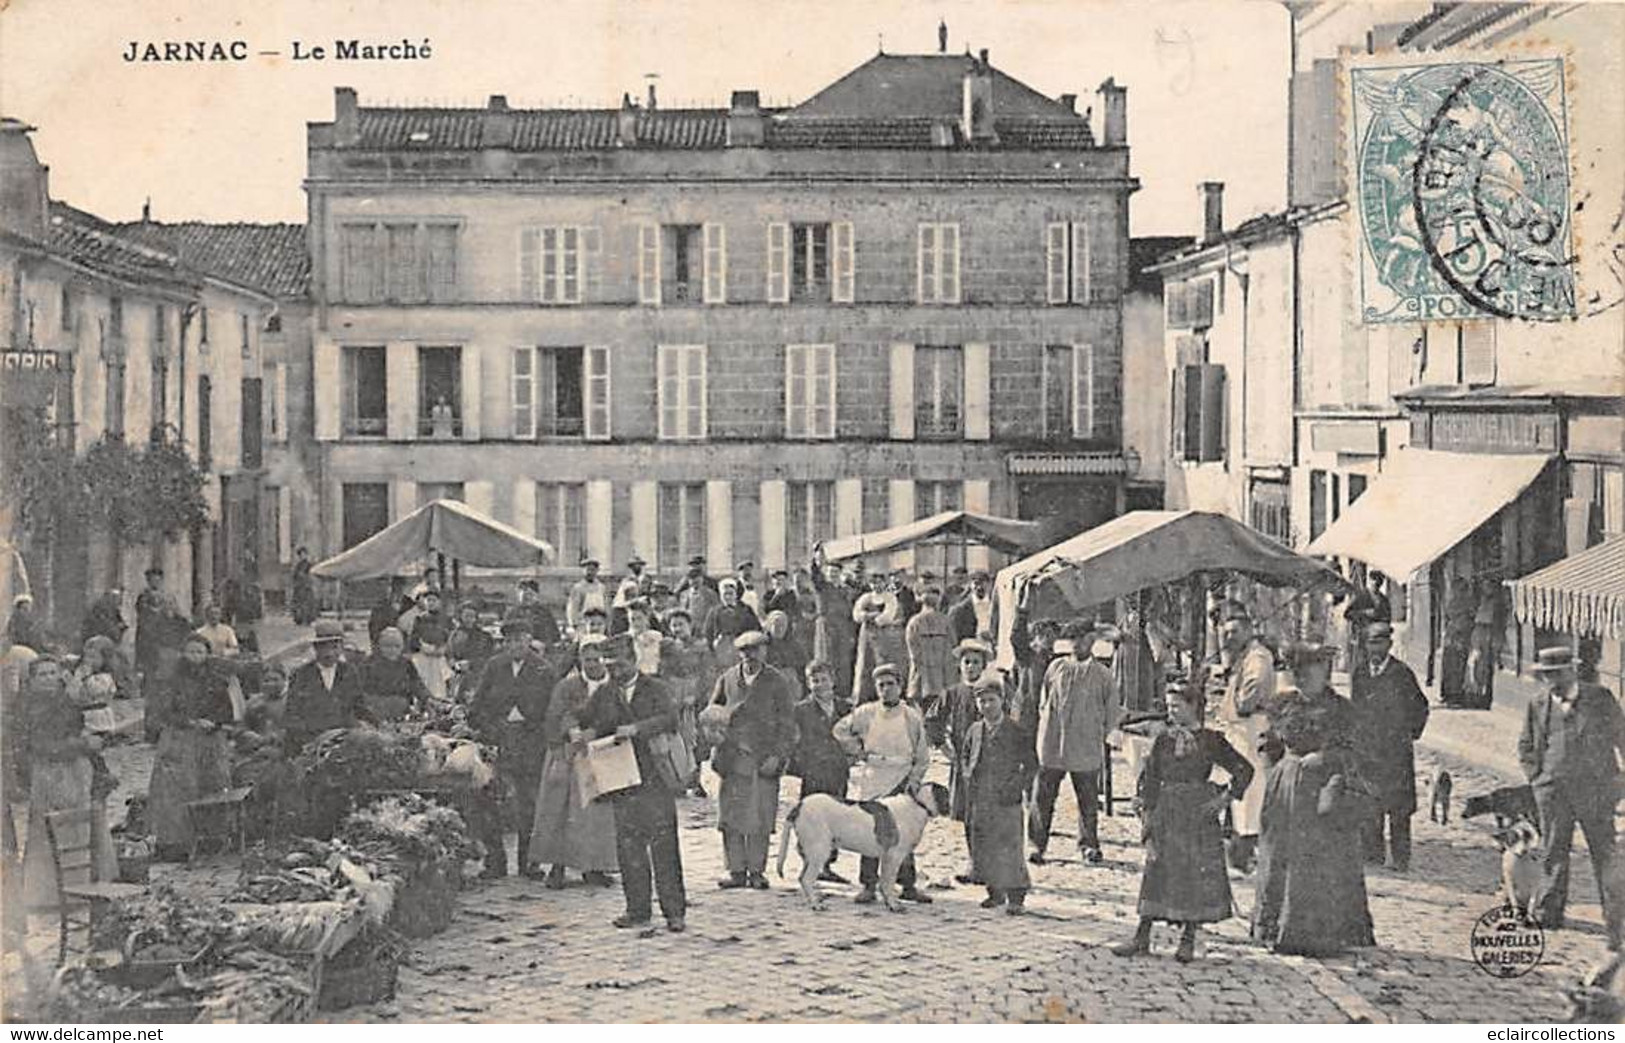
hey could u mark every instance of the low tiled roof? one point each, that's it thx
(88, 241)
(893, 85)
(272, 258)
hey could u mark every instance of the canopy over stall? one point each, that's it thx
(1144, 549)
(1005, 535)
(446, 527)
(1582, 594)
(1423, 504)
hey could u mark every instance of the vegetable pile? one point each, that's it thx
(356, 760)
(406, 834)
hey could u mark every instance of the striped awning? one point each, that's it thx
(1582, 594)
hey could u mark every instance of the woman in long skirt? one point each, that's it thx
(193, 758)
(566, 832)
(1185, 880)
(61, 777)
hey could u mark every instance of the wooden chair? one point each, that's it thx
(219, 817)
(70, 855)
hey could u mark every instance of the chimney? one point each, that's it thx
(976, 118)
(25, 195)
(496, 123)
(942, 37)
(1212, 210)
(626, 122)
(1113, 114)
(146, 211)
(346, 117)
(1070, 101)
(651, 96)
(746, 128)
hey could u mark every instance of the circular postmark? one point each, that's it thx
(1490, 192)
(1506, 945)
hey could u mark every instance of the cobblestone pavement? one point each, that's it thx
(520, 953)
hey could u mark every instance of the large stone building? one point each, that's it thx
(729, 332)
(119, 333)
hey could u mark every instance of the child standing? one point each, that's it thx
(1000, 762)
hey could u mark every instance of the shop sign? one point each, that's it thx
(1495, 432)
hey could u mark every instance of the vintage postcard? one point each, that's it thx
(1055, 511)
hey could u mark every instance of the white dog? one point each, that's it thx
(824, 824)
(1521, 868)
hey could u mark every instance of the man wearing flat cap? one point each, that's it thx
(959, 712)
(780, 596)
(587, 592)
(1390, 712)
(757, 739)
(508, 711)
(1572, 743)
(887, 737)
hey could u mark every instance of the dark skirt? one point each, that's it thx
(1185, 878)
(996, 838)
(1311, 880)
(563, 832)
(190, 763)
(748, 803)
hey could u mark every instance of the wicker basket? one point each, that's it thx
(176, 1014)
(370, 981)
(426, 903)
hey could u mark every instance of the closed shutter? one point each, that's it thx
(1478, 354)
(1082, 263)
(529, 272)
(648, 264)
(773, 513)
(719, 532)
(596, 388)
(473, 392)
(645, 531)
(1055, 261)
(1083, 391)
(328, 384)
(716, 263)
(592, 263)
(480, 495)
(401, 378)
(902, 391)
(848, 507)
(1212, 412)
(901, 497)
(843, 260)
(978, 389)
(778, 262)
(600, 519)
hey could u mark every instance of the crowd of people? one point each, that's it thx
(847, 680)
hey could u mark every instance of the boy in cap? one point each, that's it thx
(818, 759)
(887, 737)
(999, 763)
(959, 712)
(758, 739)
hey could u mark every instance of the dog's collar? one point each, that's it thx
(915, 797)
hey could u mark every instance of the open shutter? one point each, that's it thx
(821, 391)
(530, 287)
(1082, 263)
(925, 278)
(480, 495)
(902, 512)
(978, 499)
(600, 519)
(522, 385)
(648, 264)
(796, 390)
(403, 498)
(328, 383)
(1478, 353)
(1212, 412)
(1055, 261)
(778, 262)
(524, 510)
(284, 530)
(902, 392)
(645, 533)
(719, 526)
(948, 244)
(596, 388)
(668, 391)
(773, 494)
(592, 263)
(401, 403)
(1176, 414)
(848, 507)
(843, 258)
(695, 397)
(716, 263)
(473, 395)
(978, 388)
(1083, 391)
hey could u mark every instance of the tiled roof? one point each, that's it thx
(272, 258)
(88, 241)
(1147, 250)
(922, 85)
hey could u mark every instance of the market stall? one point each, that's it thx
(950, 531)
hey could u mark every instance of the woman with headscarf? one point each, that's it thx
(391, 686)
(189, 712)
(1184, 880)
(783, 651)
(62, 776)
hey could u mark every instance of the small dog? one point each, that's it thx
(1508, 804)
(1521, 866)
(823, 824)
(1440, 810)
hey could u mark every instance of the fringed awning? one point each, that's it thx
(1583, 594)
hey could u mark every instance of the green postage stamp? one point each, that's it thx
(1462, 188)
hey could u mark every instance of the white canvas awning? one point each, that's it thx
(1582, 594)
(1423, 504)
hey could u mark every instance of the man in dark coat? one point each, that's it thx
(975, 613)
(325, 693)
(507, 711)
(1390, 712)
(105, 618)
(1000, 762)
(835, 623)
(758, 737)
(818, 759)
(637, 708)
(544, 626)
(731, 618)
(1570, 748)
(958, 712)
(780, 597)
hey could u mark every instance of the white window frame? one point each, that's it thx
(800, 370)
(715, 250)
(595, 372)
(688, 362)
(1056, 282)
(778, 262)
(649, 264)
(559, 260)
(937, 277)
(1083, 391)
(1069, 262)
(524, 423)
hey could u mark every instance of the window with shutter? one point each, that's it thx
(440, 392)
(441, 275)
(401, 264)
(1212, 412)
(524, 393)
(680, 523)
(778, 263)
(1083, 391)
(560, 518)
(809, 390)
(939, 387)
(937, 280)
(597, 388)
(365, 401)
(1055, 258)
(843, 258)
(648, 264)
(1058, 386)
(359, 257)
(809, 517)
(716, 264)
(1478, 354)
(682, 391)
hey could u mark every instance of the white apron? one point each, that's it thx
(888, 757)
